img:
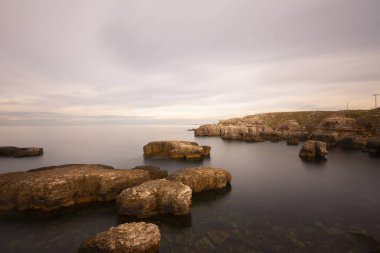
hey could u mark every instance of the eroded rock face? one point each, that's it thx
(155, 197)
(202, 178)
(135, 237)
(20, 152)
(208, 130)
(55, 187)
(313, 150)
(176, 150)
(340, 131)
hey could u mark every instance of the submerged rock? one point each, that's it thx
(176, 150)
(55, 187)
(154, 171)
(313, 150)
(202, 178)
(155, 197)
(20, 152)
(135, 237)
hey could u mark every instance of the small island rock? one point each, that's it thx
(176, 150)
(155, 197)
(20, 152)
(135, 237)
(202, 178)
(313, 150)
(55, 187)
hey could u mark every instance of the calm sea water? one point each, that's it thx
(276, 202)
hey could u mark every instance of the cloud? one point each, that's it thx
(178, 61)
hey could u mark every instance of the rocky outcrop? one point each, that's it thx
(55, 187)
(202, 178)
(340, 130)
(373, 145)
(154, 171)
(176, 150)
(135, 237)
(292, 142)
(155, 197)
(208, 130)
(20, 152)
(313, 150)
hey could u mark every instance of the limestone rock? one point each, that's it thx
(208, 130)
(55, 187)
(135, 237)
(312, 150)
(20, 152)
(154, 171)
(155, 197)
(176, 150)
(202, 178)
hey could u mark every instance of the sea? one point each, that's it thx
(276, 202)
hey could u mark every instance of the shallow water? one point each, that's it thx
(276, 202)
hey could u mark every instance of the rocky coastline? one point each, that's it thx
(358, 129)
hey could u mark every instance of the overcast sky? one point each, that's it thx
(184, 61)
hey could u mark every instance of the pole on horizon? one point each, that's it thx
(375, 95)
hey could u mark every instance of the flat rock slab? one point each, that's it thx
(176, 150)
(202, 178)
(313, 150)
(155, 197)
(135, 237)
(20, 152)
(51, 188)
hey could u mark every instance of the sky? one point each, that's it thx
(172, 61)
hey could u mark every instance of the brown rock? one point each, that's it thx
(67, 185)
(20, 152)
(373, 145)
(312, 150)
(202, 178)
(155, 197)
(176, 150)
(292, 141)
(135, 237)
(208, 130)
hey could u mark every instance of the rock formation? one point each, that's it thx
(20, 152)
(176, 150)
(202, 178)
(155, 197)
(135, 237)
(340, 130)
(313, 150)
(55, 187)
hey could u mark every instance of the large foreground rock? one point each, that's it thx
(20, 152)
(155, 197)
(135, 237)
(51, 188)
(312, 150)
(176, 150)
(202, 178)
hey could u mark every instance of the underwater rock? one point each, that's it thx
(202, 178)
(135, 237)
(154, 171)
(155, 197)
(292, 141)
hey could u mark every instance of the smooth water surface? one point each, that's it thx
(276, 202)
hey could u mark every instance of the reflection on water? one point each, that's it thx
(276, 202)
